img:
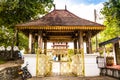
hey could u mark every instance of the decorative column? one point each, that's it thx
(30, 42)
(81, 47)
(66, 45)
(75, 46)
(89, 43)
(45, 46)
(40, 40)
(33, 44)
(39, 51)
(80, 40)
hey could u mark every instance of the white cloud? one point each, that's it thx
(81, 10)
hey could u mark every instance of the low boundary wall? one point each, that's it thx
(110, 72)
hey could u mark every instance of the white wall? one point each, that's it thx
(91, 67)
(31, 60)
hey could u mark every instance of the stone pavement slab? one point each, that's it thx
(73, 78)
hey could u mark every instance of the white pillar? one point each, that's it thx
(85, 47)
(104, 55)
(30, 42)
(114, 55)
(40, 40)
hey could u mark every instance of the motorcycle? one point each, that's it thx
(24, 73)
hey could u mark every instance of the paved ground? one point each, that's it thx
(74, 78)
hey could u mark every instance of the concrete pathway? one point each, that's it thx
(73, 78)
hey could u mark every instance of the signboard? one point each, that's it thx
(100, 61)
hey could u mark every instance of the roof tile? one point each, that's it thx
(60, 18)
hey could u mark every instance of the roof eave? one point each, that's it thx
(62, 27)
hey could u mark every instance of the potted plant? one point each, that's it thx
(109, 60)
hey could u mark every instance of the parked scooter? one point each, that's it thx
(24, 73)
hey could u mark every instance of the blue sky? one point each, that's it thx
(89, 1)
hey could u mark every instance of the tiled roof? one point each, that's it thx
(60, 18)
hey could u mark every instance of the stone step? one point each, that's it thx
(73, 78)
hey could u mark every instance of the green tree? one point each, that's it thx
(111, 31)
(17, 11)
(5, 36)
(13, 12)
(111, 12)
(111, 15)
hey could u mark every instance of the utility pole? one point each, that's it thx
(95, 17)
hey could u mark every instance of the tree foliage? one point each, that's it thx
(111, 11)
(17, 11)
(5, 36)
(13, 12)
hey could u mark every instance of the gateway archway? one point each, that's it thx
(60, 26)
